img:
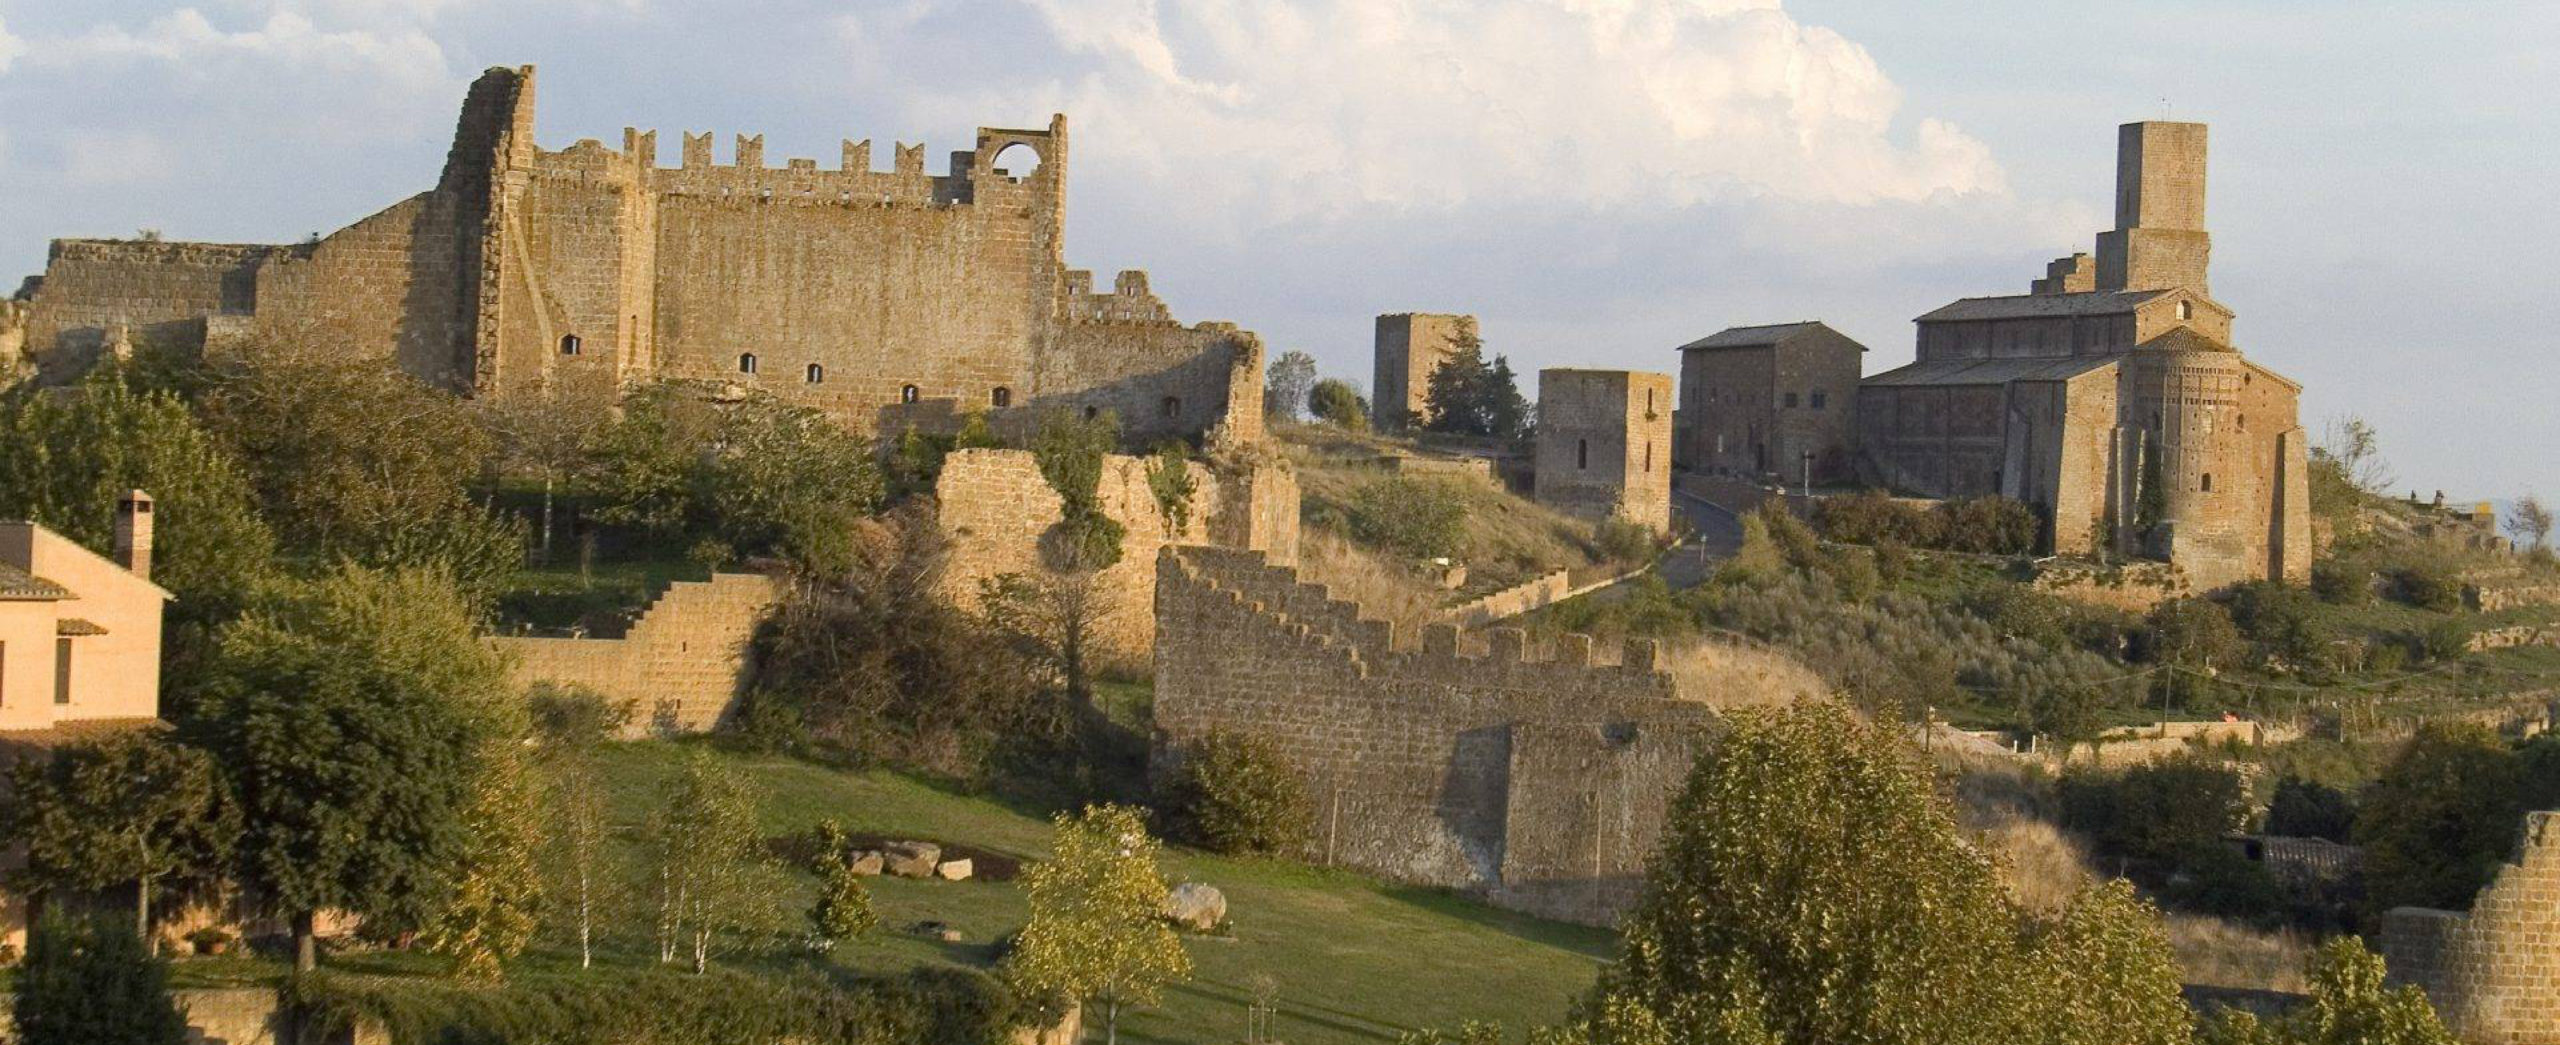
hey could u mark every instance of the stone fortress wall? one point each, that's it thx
(995, 506)
(1540, 782)
(682, 665)
(1604, 444)
(887, 298)
(2494, 971)
(1408, 347)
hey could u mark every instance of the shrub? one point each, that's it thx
(2282, 620)
(1794, 539)
(2342, 582)
(1873, 517)
(1990, 526)
(2215, 879)
(2195, 633)
(2308, 809)
(2428, 585)
(1624, 541)
(1235, 794)
(2446, 640)
(1415, 518)
(1335, 402)
(2158, 811)
(2439, 821)
(88, 981)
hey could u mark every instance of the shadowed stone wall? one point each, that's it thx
(2493, 972)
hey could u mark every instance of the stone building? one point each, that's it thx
(2493, 972)
(2111, 396)
(886, 298)
(1769, 400)
(1540, 782)
(1409, 346)
(1604, 444)
(79, 631)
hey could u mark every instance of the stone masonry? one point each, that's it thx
(682, 665)
(1769, 400)
(1410, 345)
(1539, 782)
(1604, 444)
(995, 506)
(2493, 972)
(888, 298)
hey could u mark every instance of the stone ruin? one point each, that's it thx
(2493, 972)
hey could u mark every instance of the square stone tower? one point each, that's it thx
(1604, 444)
(1410, 345)
(2159, 242)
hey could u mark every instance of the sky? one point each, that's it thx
(1598, 180)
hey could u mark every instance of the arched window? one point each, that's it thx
(746, 362)
(2186, 310)
(1172, 406)
(909, 394)
(569, 344)
(1002, 397)
(817, 375)
(1582, 453)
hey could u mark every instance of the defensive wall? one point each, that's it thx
(996, 507)
(1536, 778)
(2494, 971)
(681, 665)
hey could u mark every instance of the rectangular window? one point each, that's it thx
(4, 674)
(1791, 400)
(1821, 399)
(62, 671)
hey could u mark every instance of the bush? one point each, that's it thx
(2216, 879)
(1873, 517)
(1624, 541)
(2158, 811)
(2342, 582)
(2195, 633)
(1414, 518)
(88, 981)
(1335, 402)
(2308, 809)
(1990, 526)
(2283, 621)
(2428, 586)
(2447, 640)
(1235, 794)
(664, 1007)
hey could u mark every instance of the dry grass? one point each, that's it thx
(1509, 538)
(1724, 674)
(1384, 590)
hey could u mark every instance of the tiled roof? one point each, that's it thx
(2186, 339)
(18, 585)
(1989, 371)
(74, 626)
(1753, 337)
(2021, 306)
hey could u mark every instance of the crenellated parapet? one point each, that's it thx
(2493, 972)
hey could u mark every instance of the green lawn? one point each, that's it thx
(1357, 960)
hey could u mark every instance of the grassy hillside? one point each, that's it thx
(1356, 960)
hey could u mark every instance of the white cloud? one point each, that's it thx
(10, 47)
(1309, 109)
(188, 41)
(101, 158)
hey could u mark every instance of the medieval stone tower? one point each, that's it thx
(1409, 346)
(2159, 241)
(1604, 444)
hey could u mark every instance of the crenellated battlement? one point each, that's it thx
(852, 181)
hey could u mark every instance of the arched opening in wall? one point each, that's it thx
(1016, 161)
(746, 362)
(1002, 396)
(570, 345)
(1582, 453)
(1172, 406)
(909, 394)
(817, 375)
(2186, 310)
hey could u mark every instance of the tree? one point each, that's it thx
(843, 911)
(2440, 819)
(687, 461)
(2158, 811)
(1284, 391)
(2350, 1005)
(547, 437)
(2529, 522)
(2309, 809)
(490, 916)
(1812, 888)
(1235, 794)
(136, 808)
(1339, 403)
(2348, 458)
(570, 725)
(351, 458)
(67, 455)
(1097, 931)
(709, 863)
(1467, 396)
(351, 717)
(88, 981)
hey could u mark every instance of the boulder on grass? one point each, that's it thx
(912, 859)
(955, 870)
(1195, 906)
(867, 863)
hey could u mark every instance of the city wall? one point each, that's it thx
(2494, 971)
(1536, 778)
(682, 665)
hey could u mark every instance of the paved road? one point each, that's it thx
(1718, 534)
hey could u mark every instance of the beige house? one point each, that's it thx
(79, 632)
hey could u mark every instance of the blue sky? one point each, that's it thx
(1598, 179)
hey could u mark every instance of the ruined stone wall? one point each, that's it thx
(1604, 444)
(995, 507)
(157, 291)
(2494, 971)
(1539, 781)
(682, 665)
